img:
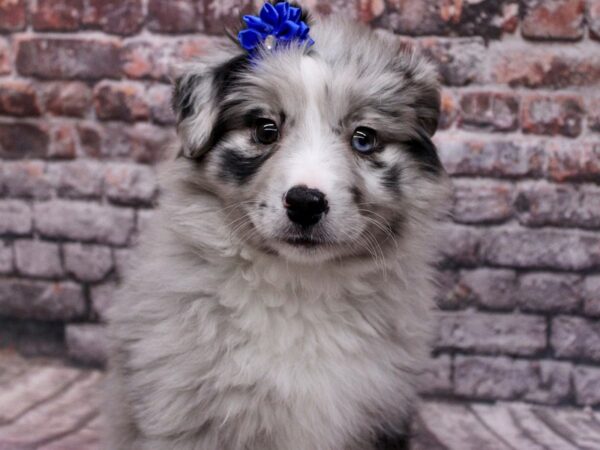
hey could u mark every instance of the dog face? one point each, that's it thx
(316, 153)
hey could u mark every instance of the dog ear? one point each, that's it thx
(198, 94)
(428, 109)
(424, 80)
(421, 78)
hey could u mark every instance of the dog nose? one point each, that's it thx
(305, 206)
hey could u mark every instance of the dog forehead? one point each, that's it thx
(301, 82)
(315, 74)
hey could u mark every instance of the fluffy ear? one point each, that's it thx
(420, 77)
(198, 93)
(428, 101)
(428, 110)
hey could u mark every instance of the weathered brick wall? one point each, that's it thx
(84, 114)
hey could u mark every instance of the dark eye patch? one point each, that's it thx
(236, 166)
(391, 178)
(423, 150)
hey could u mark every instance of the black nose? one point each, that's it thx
(305, 206)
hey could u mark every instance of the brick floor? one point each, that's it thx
(45, 405)
(48, 406)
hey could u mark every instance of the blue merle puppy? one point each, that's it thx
(281, 298)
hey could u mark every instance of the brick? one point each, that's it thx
(23, 140)
(482, 201)
(149, 143)
(578, 161)
(63, 142)
(492, 333)
(18, 98)
(77, 179)
(554, 19)
(449, 109)
(588, 213)
(123, 261)
(591, 295)
(33, 338)
(552, 115)
(548, 292)
(15, 217)
(542, 203)
(103, 297)
(120, 101)
(437, 377)
(38, 259)
(493, 111)
(459, 60)
(450, 294)
(460, 246)
(6, 257)
(486, 17)
(124, 17)
(549, 382)
(548, 66)
(504, 378)
(338, 8)
(593, 110)
(369, 10)
(62, 58)
(41, 300)
(592, 16)
(587, 385)
(219, 16)
(413, 18)
(159, 98)
(141, 142)
(496, 158)
(176, 16)
(489, 288)
(130, 184)
(147, 60)
(87, 343)
(68, 98)
(90, 138)
(84, 221)
(541, 249)
(145, 217)
(13, 15)
(5, 57)
(27, 179)
(155, 59)
(88, 263)
(575, 337)
(57, 15)
(510, 17)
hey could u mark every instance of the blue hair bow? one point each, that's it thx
(281, 21)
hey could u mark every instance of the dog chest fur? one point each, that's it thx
(255, 346)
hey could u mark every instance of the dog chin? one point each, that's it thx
(304, 251)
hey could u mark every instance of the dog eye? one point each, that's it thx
(265, 131)
(364, 140)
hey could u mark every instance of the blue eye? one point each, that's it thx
(364, 140)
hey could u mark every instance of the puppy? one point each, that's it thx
(281, 298)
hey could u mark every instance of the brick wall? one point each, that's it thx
(84, 115)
